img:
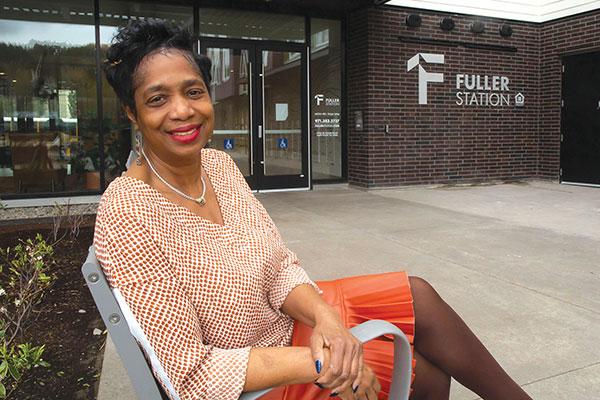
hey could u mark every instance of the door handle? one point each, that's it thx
(260, 131)
(251, 118)
(264, 119)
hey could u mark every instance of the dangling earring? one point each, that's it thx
(138, 148)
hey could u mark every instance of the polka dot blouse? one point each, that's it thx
(203, 293)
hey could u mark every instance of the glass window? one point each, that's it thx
(118, 133)
(227, 23)
(231, 101)
(48, 125)
(326, 95)
(282, 88)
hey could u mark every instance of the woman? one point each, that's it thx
(208, 277)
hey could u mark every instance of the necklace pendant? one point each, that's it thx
(201, 201)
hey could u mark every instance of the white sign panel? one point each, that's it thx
(326, 116)
(281, 111)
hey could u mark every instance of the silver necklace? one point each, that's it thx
(200, 200)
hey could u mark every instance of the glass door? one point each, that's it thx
(231, 91)
(259, 95)
(282, 129)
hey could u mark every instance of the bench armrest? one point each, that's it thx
(402, 357)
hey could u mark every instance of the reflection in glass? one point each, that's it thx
(227, 23)
(282, 89)
(231, 100)
(48, 126)
(118, 132)
(326, 94)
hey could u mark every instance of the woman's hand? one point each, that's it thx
(345, 361)
(368, 387)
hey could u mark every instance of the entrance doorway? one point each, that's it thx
(259, 92)
(580, 133)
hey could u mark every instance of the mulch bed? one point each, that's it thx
(65, 324)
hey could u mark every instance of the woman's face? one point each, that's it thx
(173, 108)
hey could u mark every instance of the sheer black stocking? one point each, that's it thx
(445, 342)
(431, 383)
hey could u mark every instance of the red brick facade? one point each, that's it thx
(443, 142)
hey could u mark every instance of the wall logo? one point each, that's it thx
(519, 100)
(471, 89)
(424, 76)
(482, 90)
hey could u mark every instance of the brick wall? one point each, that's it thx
(579, 33)
(357, 95)
(442, 142)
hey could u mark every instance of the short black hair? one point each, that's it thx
(138, 39)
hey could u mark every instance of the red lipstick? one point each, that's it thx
(186, 139)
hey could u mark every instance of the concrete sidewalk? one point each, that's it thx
(519, 262)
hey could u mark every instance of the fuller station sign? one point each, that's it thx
(471, 90)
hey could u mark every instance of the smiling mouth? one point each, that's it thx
(184, 133)
(192, 130)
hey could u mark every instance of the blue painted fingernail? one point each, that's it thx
(318, 366)
(334, 394)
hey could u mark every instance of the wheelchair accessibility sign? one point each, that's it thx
(282, 143)
(228, 144)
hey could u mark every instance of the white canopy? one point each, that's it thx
(521, 10)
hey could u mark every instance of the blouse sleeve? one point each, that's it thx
(289, 273)
(136, 266)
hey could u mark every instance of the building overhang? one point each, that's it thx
(311, 7)
(519, 10)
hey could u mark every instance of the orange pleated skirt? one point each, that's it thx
(358, 299)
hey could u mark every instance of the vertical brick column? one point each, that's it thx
(357, 82)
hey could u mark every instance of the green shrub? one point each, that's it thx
(24, 278)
